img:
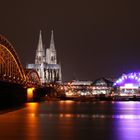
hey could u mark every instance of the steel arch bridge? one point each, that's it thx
(11, 69)
(32, 78)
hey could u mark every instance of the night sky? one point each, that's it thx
(93, 38)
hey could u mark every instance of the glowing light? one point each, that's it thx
(30, 94)
(68, 115)
(131, 80)
(69, 93)
(123, 94)
(61, 115)
(66, 102)
(130, 86)
(32, 108)
(61, 88)
(33, 114)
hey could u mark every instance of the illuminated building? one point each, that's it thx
(78, 83)
(128, 83)
(77, 88)
(46, 62)
(102, 86)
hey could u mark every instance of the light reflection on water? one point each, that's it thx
(91, 116)
(73, 120)
(31, 121)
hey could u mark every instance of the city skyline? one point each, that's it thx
(93, 39)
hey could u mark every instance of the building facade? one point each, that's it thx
(46, 62)
(102, 86)
(128, 84)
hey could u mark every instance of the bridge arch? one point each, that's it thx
(10, 65)
(33, 77)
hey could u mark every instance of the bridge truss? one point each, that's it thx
(11, 69)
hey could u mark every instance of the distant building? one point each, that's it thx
(128, 84)
(102, 86)
(46, 62)
(81, 83)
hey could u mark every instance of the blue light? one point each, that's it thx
(129, 78)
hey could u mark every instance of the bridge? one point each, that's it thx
(11, 69)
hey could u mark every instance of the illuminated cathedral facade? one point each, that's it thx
(46, 62)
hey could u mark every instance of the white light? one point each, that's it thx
(129, 86)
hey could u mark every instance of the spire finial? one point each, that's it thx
(52, 45)
(40, 43)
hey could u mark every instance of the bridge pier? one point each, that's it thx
(35, 94)
(11, 94)
(15, 94)
(14, 78)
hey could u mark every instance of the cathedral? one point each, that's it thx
(46, 62)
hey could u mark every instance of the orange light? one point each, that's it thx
(69, 93)
(30, 94)
(61, 88)
(68, 115)
(61, 115)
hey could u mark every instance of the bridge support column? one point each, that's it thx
(30, 94)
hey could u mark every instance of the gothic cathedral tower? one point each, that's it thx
(40, 52)
(46, 64)
(51, 57)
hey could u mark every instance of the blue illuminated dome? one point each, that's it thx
(128, 80)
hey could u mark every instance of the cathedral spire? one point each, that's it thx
(52, 45)
(40, 53)
(40, 43)
(51, 52)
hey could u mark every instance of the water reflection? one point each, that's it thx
(126, 129)
(32, 107)
(68, 102)
(31, 122)
(91, 116)
(126, 124)
(73, 120)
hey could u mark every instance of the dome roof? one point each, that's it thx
(131, 78)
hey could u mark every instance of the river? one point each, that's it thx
(69, 120)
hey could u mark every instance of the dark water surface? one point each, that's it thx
(68, 120)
